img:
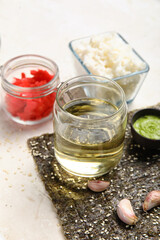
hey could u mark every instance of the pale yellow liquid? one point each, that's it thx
(89, 150)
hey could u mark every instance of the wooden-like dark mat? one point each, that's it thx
(84, 214)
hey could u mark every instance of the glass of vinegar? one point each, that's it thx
(90, 117)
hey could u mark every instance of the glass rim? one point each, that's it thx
(97, 77)
(9, 86)
(144, 70)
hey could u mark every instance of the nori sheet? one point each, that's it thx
(84, 214)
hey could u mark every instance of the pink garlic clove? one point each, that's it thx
(125, 212)
(97, 185)
(152, 200)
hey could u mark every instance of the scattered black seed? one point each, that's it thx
(87, 215)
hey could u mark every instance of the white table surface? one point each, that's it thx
(45, 27)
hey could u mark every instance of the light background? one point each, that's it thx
(46, 27)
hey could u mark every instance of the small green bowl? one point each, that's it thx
(139, 139)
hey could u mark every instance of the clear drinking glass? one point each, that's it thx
(90, 116)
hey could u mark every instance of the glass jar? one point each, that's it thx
(90, 117)
(28, 84)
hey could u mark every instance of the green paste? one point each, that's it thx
(148, 126)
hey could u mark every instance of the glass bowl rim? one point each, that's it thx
(11, 86)
(80, 119)
(146, 69)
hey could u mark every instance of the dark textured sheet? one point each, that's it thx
(84, 214)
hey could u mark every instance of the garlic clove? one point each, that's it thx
(98, 185)
(125, 212)
(152, 200)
